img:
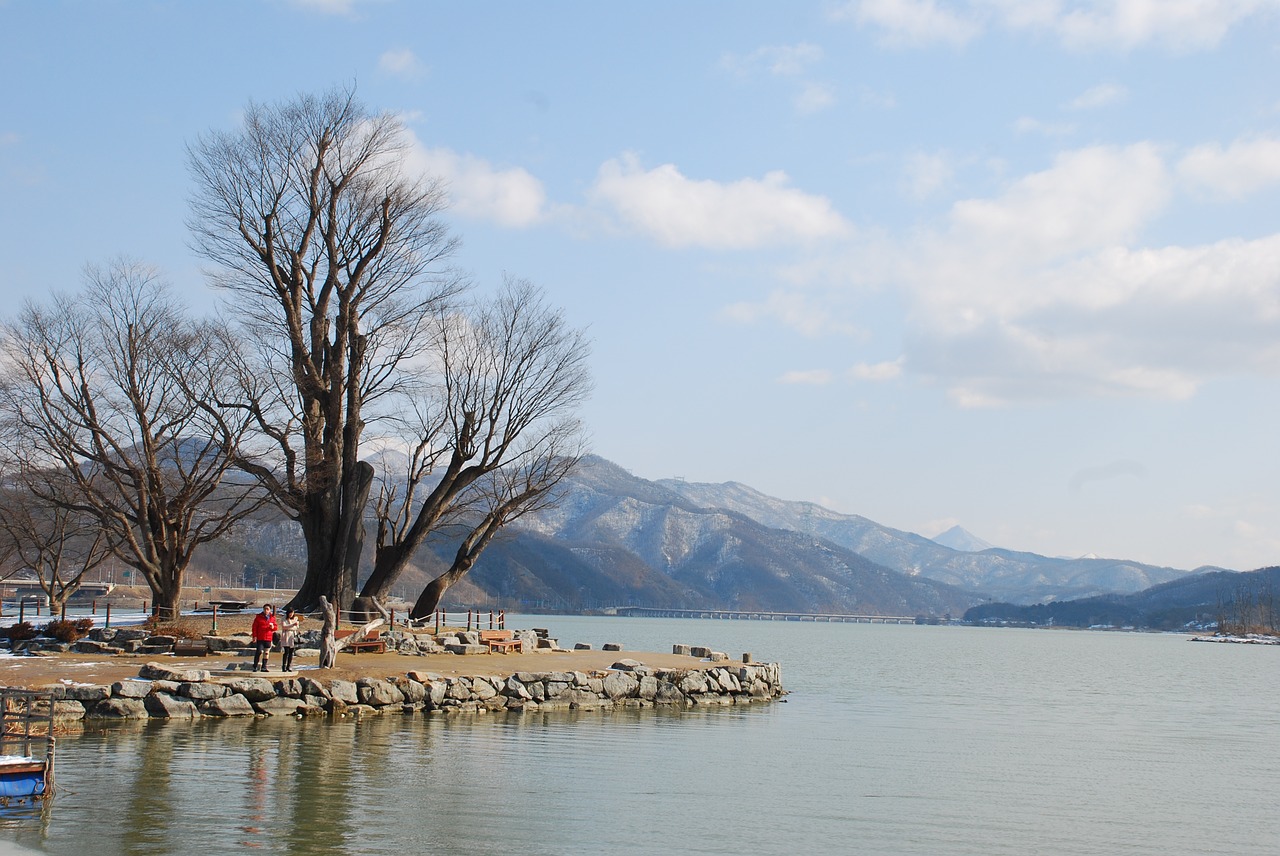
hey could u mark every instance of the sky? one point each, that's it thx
(1007, 264)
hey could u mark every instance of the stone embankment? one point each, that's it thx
(162, 691)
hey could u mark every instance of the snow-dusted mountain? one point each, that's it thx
(1004, 575)
(959, 538)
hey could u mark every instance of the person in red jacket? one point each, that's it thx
(264, 627)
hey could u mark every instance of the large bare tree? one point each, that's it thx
(334, 257)
(495, 430)
(120, 394)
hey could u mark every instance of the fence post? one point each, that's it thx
(502, 619)
(108, 624)
(64, 611)
(22, 609)
(437, 622)
(393, 619)
(93, 609)
(214, 629)
(491, 619)
(469, 620)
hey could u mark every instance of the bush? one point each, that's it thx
(68, 631)
(179, 628)
(20, 631)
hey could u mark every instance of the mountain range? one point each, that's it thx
(616, 539)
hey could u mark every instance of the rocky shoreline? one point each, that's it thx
(164, 692)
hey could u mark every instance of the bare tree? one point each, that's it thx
(495, 431)
(333, 256)
(53, 540)
(118, 392)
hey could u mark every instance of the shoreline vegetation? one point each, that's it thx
(100, 677)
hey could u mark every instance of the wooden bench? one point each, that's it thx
(190, 648)
(500, 640)
(371, 641)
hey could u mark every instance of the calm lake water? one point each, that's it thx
(895, 739)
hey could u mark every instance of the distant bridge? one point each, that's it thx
(26, 587)
(756, 615)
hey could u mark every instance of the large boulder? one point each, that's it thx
(621, 685)
(131, 689)
(167, 706)
(231, 705)
(202, 691)
(118, 708)
(378, 693)
(253, 689)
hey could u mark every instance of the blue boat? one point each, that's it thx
(26, 745)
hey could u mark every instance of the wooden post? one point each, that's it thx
(93, 610)
(437, 622)
(491, 619)
(64, 611)
(393, 619)
(22, 609)
(108, 624)
(214, 629)
(469, 620)
(502, 619)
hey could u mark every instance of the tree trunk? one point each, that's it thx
(328, 644)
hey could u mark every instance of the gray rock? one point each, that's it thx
(582, 646)
(627, 665)
(668, 693)
(158, 672)
(89, 646)
(231, 705)
(699, 652)
(680, 649)
(557, 688)
(118, 708)
(131, 689)
(313, 688)
(414, 691)
(88, 694)
(344, 691)
(202, 691)
(467, 649)
(648, 687)
(516, 690)
(620, 685)
(253, 689)
(166, 706)
(289, 688)
(279, 706)
(611, 646)
(693, 682)
(378, 693)
(482, 690)
(458, 689)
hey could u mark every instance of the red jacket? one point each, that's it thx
(263, 626)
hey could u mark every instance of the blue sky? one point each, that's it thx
(1013, 265)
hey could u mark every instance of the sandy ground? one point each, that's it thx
(32, 672)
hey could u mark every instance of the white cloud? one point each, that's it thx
(812, 377)
(681, 212)
(1178, 24)
(793, 309)
(402, 63)
(478, 190)
(1181, 25)
(1028, 125)
(1045, 291)
(914, 22)
(785, 60)
(876, 372)
(1241, 168)
(926, 174)
(1102, 95)
(813, 98)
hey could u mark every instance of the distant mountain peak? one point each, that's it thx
(959, 538)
